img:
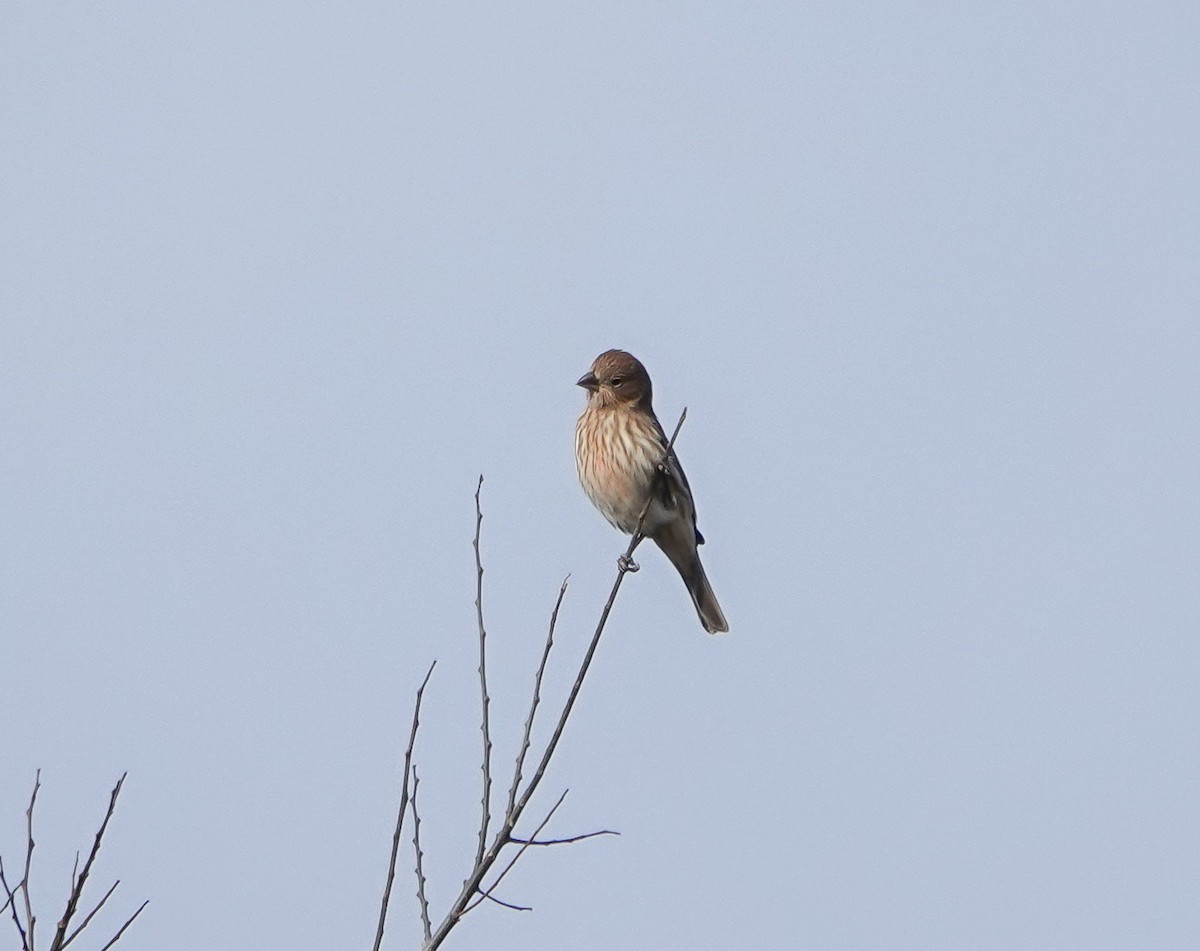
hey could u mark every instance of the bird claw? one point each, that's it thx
(625, 563)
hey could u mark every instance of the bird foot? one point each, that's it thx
(625, 563)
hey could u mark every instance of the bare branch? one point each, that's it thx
(537, 696)
(79, 879)
(486, 817)
(624, 565)
(408, 754)
(132, 918)
(424, 902)
(466, 899)
(60, 933)
(91, 914)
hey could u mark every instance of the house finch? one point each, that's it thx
(619, 445)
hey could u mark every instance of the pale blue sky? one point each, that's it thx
(279, 280)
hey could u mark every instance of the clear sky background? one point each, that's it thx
(279, 280)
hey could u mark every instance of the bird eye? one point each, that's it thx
(617, 381)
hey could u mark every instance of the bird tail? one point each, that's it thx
(686, 559)
(711, 615)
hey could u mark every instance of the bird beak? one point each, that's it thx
(588, 381)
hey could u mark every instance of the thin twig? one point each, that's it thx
(91, 914)
(487, 892)
(12, 903)
(508, 904)
(486, 817)
(60, 933)
(502, 838)
(408, 754)
(121, 930)
(30, 919)
(566, 841)
(424, 902)
(537, 696)
(74, 872)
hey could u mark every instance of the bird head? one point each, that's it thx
(617, 378)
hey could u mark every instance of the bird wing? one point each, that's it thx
(672, 486)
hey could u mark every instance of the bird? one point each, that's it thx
(621, 454)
